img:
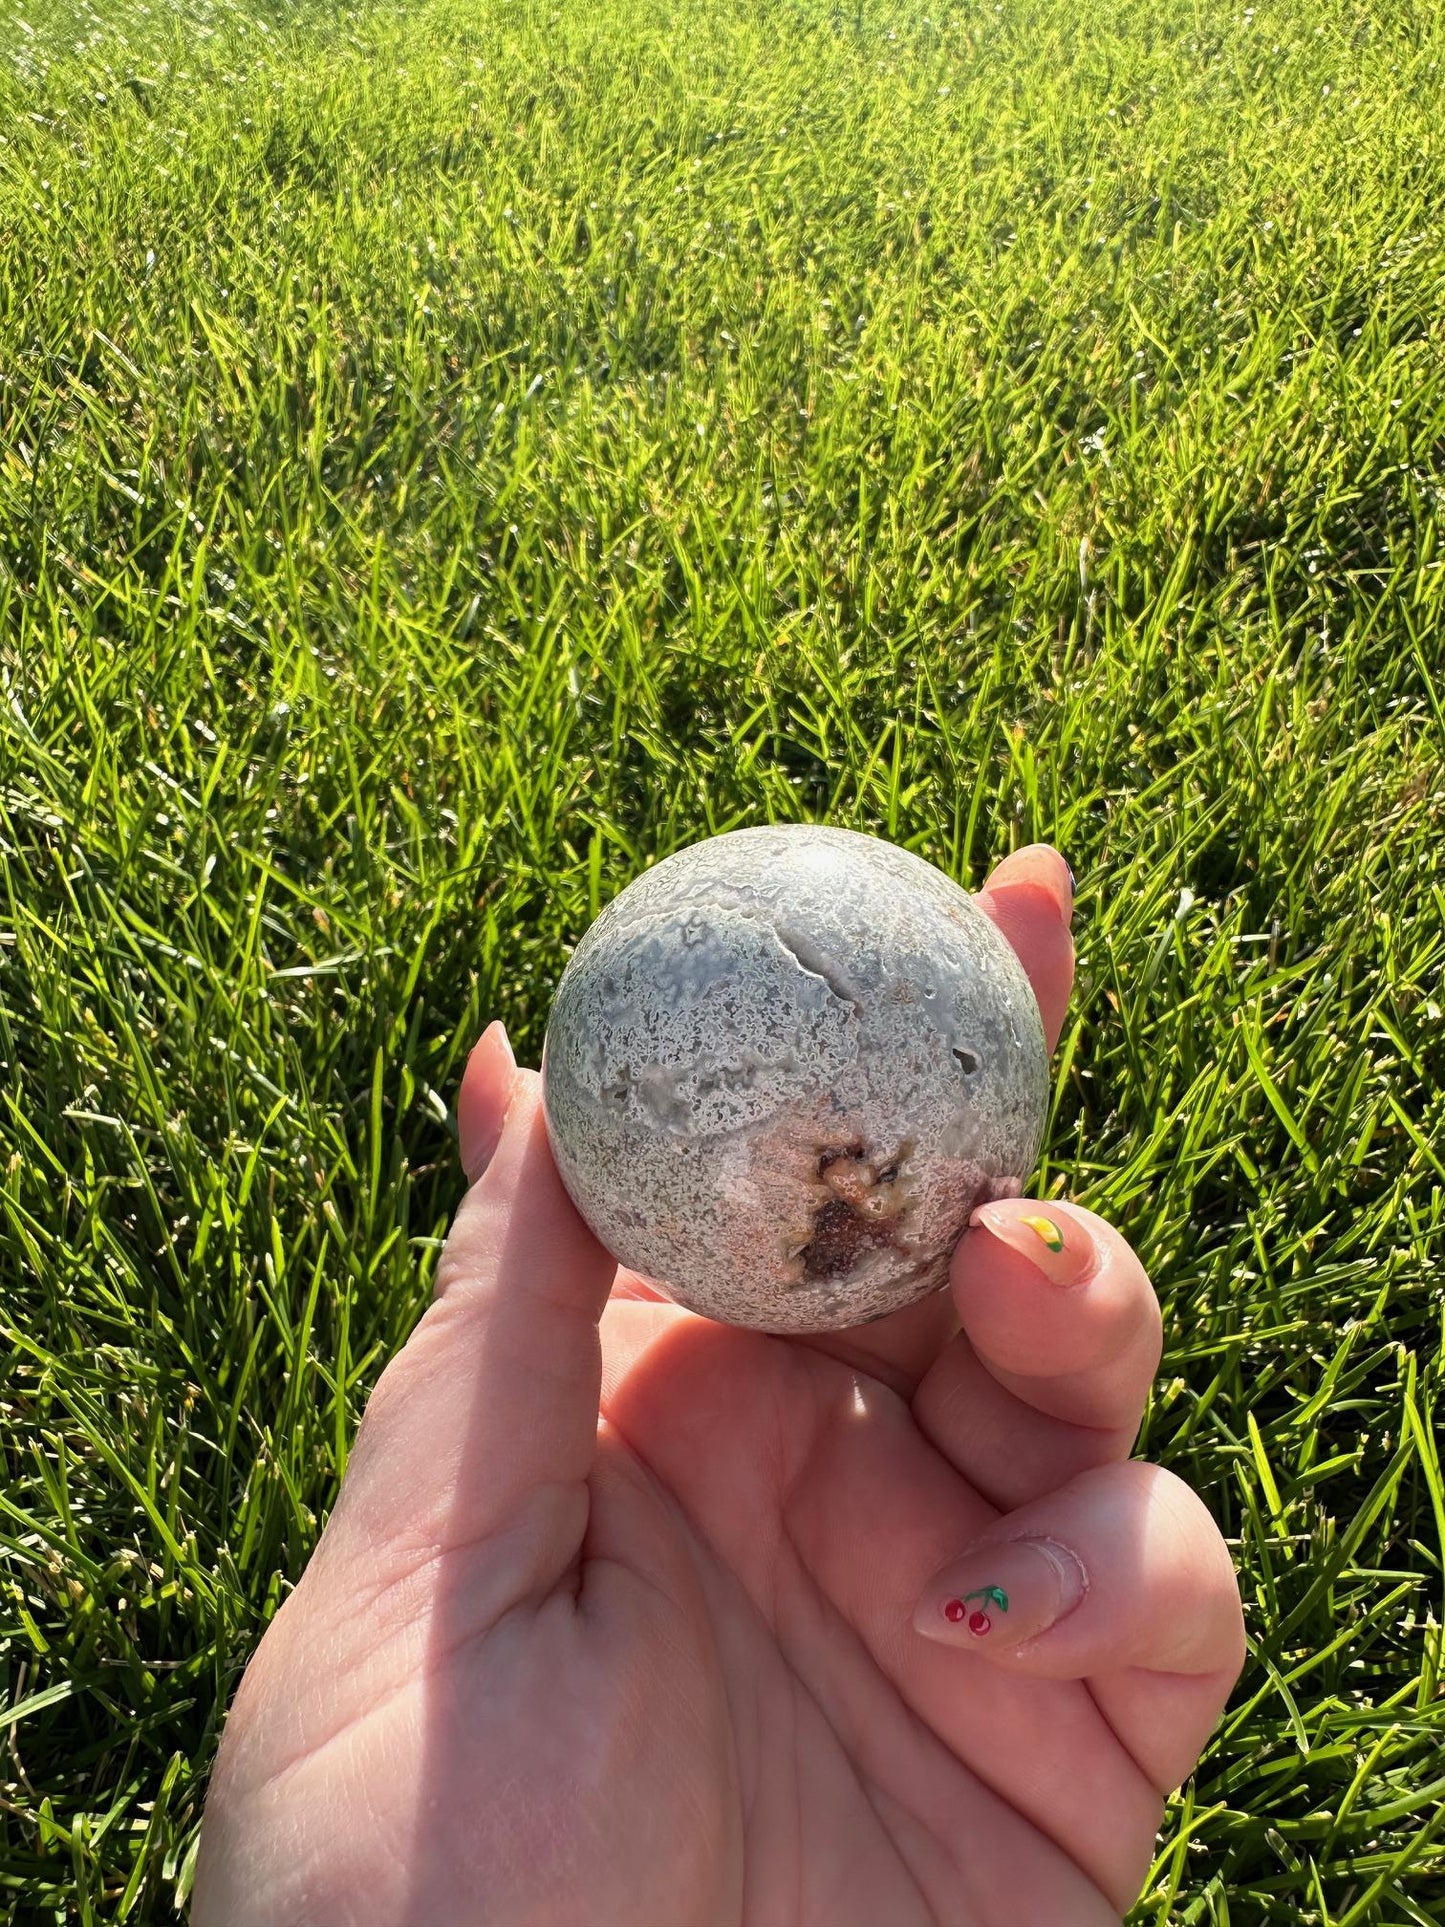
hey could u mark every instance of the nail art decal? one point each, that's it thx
(1047, 1230)
(978, 1620)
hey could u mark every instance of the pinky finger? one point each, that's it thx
(1119, 1577)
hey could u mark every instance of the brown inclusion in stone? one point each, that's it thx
(859, 1214)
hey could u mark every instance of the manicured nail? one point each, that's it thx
(1001, 1593)
(1058, 1245)
(485, 1098)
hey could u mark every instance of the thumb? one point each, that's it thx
(485, 1423)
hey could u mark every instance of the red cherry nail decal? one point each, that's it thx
(978, 1620)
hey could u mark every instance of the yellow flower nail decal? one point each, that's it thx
(1047, 1230)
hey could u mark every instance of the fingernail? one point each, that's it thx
(1073, 882)
(1059, 1246)
(1038, 866)
(485, 1098)
(1002, 1593)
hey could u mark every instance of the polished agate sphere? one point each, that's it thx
(781, 1069)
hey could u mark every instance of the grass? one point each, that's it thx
(453, 454)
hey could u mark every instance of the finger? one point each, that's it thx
(1121, 1578)
(1030, 897)
(481, 1109)
(1060, 1309)
(483, 1098)
(1061, 1338)
(485, 1423)
(873, 1514)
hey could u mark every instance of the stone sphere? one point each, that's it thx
(783, 1067)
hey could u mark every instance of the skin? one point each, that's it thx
(613, 1620)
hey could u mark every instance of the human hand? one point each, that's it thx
(623, 1616)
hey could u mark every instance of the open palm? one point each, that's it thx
(625, 1616)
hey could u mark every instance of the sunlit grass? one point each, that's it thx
(450, 455)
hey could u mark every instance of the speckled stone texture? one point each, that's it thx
(782, 1068)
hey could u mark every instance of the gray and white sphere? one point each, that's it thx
(781, 1069)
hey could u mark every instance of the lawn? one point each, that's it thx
(453, 454)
